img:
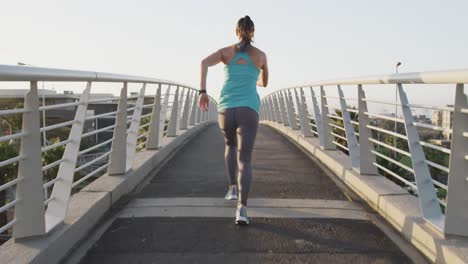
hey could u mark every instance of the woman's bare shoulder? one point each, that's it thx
(227, 50)
(259, 52)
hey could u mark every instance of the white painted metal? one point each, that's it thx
(193, 112)
(61, 192)
(163, 116)
(432, 77)
(367, 158)
(291, 116)
(268, 109)
(326, 128)
(29, 211)
(427, 196)
(173, 122)
(279, 117)
(199, 112)
(180, 106)
(304, 114)
(318, 118)
(132, 133)
(153, 139)
(282, 105)
(271, 108)
(118, 160)
(351, 138)
(457, 196)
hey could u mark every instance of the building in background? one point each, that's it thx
(443, 118)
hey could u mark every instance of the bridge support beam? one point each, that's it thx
(193, 112)
(366, 157)
(270, 109)
(291, 112)
(279, 118)
(326, 128)
(306, 128)
(198, 114)
(318, 117)
(428, 201)
(117, 159)
(61, 192)
(29, 208)
(185, 113)
(282, 105)
(457, 195)
(132, 133)
(351, 138)
(154, 133)
(173, 122)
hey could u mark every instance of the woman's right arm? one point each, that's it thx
(211, 60)
(263, 77)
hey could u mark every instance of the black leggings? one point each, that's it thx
(239, 126)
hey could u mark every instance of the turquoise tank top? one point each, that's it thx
(240, 84)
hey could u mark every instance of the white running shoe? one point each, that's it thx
(232, 193)
(241, 215)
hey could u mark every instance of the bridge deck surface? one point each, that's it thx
(298, 213)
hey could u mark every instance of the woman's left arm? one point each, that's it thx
(211, 60)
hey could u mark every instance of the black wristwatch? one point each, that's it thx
(201, 91)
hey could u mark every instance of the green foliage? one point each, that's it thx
(51, 156)
(354, 117)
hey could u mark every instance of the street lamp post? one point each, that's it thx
(396, 111)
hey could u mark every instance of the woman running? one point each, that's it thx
(238, 108)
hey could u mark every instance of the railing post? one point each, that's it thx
(61, 192)
(279, 118)
(172, 128)
(117, 158)
(268, 111)
(164, 108)
(132, 134)
(185, 113)
(327, 137)
(318, 118)
(457, 195)
(428, 201)
(291, 110)
(351, 138)
(154, 129)
(303, 114)
(180, 107)
(203, 118)
(193, 112)
(199, 112)
(367, 158)
(29, 210)
(284, 115)
(261, 112)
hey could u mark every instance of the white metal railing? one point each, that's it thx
(376, 149)
(88, 145)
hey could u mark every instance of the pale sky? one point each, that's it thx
(305, 41)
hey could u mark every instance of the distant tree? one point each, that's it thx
(354, 117)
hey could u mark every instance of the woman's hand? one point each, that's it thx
(203, 102)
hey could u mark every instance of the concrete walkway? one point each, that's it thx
(298, 213)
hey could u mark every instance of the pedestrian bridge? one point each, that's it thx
(140, 177)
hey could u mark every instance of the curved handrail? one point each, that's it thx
(27, 73)
(430, 77)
